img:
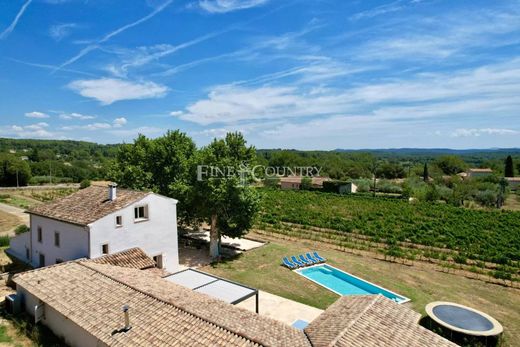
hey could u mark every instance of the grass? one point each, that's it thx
(7, 222)
(4, 337)
(16, 201)
(260, 268)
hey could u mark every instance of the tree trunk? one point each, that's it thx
(214, 239)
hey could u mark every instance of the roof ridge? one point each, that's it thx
(354, 321)
(85, 264)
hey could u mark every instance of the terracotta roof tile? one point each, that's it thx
(91, 295)
(133, 258)
(87, 205)
(369, 321)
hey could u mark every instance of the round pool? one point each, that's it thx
(463, 319)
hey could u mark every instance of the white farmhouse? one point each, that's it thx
(96, 221)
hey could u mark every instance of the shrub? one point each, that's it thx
(4, 241)
(486, 198)
(84, 184)
(21, 229)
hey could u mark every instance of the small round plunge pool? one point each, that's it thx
(463, 319)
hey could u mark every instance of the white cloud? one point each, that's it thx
(132, 133)
(116, 123)
(74, 115)
(119, 122)
(486, 90)
(60, 31)
(93, 126)
(13, 24)
(223, 6)
(467, 132)
(176, 113)
(110, 90)
(36, 114)
(36, 130)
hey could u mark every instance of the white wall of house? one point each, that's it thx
(60, 325)
(73, 241)
(18, 246)
(156, 235)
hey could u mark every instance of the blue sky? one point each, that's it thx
(307, 74)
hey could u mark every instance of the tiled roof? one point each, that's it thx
(134, 258)
(87, 205)
(369, 321)
(91, 295)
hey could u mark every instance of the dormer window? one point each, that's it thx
(141, 213)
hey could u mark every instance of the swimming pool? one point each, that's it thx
(343, 283)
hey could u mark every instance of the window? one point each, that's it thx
(40, 234)
(141, 213)
(42, 260)
(104, 248)
(59, 260)
(56, 239)
(119, 221)
(158, 259)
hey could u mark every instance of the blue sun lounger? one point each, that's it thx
(305, 260)
(317, 256)
(296, 261)
(286, 262)
(311, 258)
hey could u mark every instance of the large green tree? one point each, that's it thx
(451, 164)
(221, 193)
(13, 171)
(509, 168)
(162, 165)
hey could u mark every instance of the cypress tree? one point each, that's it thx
(426, 175)
(509, 169)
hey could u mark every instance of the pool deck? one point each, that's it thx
(281, 309)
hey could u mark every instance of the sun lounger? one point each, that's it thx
(311, 258)
(317, 256)
(286, 262)
(296, 261)
(305, 260)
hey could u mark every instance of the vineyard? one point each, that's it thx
(480, 241)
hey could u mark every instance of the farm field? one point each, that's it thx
(482, 241)
(260, 268)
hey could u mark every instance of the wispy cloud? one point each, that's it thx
(110, 90)
(36, 114)
(118, 31)
(484, 90)
(224, 6)
(393, 6)
(75, 115)
(19, 15)
(52, 67)
(60, 31)
(467, 132)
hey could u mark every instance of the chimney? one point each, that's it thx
(112, 191)
(127, 318)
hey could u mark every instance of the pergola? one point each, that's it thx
(219, 288)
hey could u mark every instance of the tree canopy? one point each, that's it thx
(226, 201)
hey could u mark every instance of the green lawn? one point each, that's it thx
(260, 268)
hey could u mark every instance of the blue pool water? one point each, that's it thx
(343, 283)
